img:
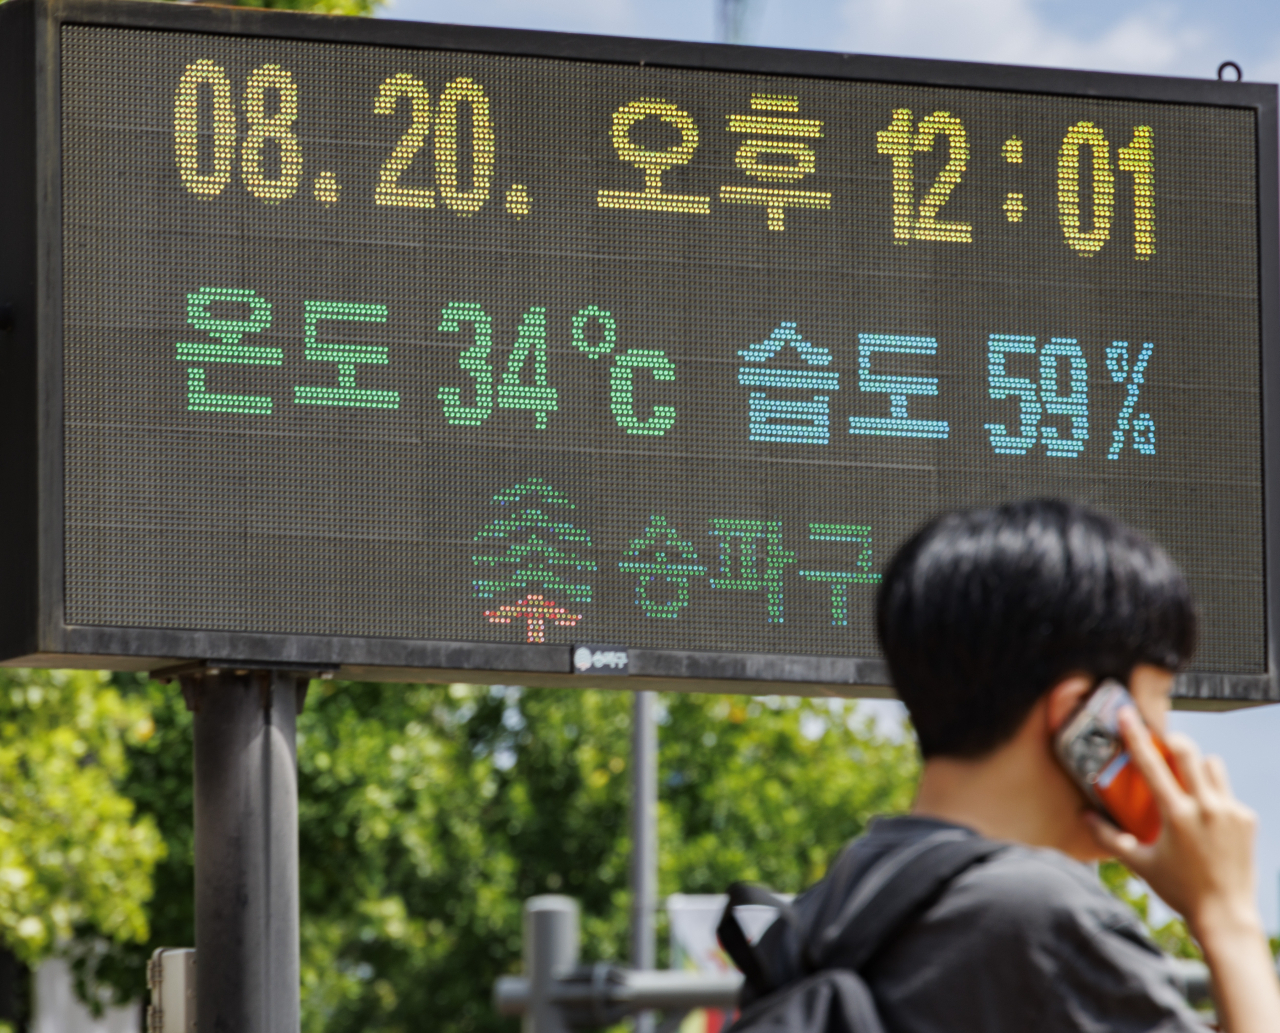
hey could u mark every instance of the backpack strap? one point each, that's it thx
(898, 889)
(893, 893)
(734, 940)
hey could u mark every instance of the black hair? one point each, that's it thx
(983, 611)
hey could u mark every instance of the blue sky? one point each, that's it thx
(1189, 38)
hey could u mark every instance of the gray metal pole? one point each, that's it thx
(246, 826)
(733, 20)
(644, 839)
(550, 951)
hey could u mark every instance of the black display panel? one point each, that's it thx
(416, 343)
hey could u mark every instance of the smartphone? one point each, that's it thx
(1090, 747)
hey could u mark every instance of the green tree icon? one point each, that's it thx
(661, 555)
(531, 547)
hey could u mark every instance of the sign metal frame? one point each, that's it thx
(33, 631)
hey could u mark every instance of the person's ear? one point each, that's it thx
(1064, 698)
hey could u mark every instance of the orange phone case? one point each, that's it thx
(1092, 750)
(1127, 797)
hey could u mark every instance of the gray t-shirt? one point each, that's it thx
(1026, 942)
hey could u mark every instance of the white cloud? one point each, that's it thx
(1153, 39)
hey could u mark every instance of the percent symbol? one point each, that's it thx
(1142, 425)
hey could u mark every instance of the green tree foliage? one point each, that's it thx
(75, 856)
(1172, 936)
(770, 790)
(429, 813)
(351, 7)
(159, 782)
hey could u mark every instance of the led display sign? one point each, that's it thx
(420, 350)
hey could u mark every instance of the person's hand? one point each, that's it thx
(1202, 863)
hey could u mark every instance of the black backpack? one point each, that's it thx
(809, 981)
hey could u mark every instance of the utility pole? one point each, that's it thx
(644, 840)
(733, 20)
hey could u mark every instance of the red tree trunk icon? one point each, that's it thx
(535, 611)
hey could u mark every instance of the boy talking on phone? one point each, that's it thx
(996, 625)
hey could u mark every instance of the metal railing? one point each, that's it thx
(558, 995)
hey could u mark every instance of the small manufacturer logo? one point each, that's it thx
(600, 660)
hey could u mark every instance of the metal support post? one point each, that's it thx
(555, 995)
(550, 953)
(246, 847)
(644, 840)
